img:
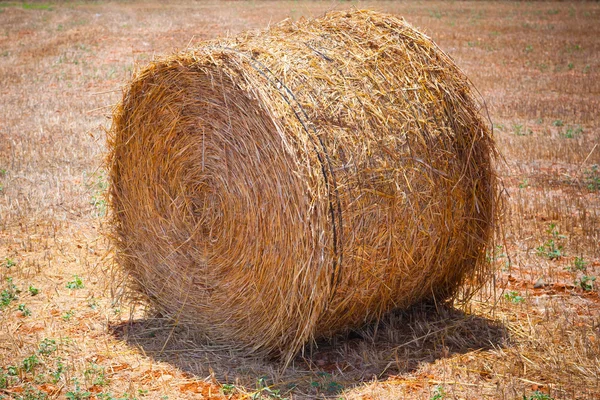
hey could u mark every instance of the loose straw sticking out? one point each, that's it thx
(289, 184)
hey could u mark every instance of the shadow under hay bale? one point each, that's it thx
(278, 187)
(398, 345)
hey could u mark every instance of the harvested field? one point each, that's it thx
(69, 329)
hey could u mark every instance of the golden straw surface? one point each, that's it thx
(283, 185)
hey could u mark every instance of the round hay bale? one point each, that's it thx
(279, 186)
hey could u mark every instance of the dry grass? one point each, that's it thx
(274, 188)
(536, 65)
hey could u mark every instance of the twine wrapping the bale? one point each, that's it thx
(285, 185)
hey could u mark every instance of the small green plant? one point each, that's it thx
(98, 185)
(47, 346)
(570, 66)
(550, 249)
(109, 396)
(57, 373)
(586, 282)
(228, 389)
(264, 390)
(9, 262)
(32, 393)
(524, 183)
(33, 290)
(537, 395)
(520, 130)
(77, 393)
(96, 375)
(8, 295)
(12, 370)
(497, 255)
(592, 177)
(76, 283)
(3, 170)
(557, 122)
(30, 363)
(334, 387)
(4, 381)
(68, 315)
(24, 310)
(579, 264)
(528, 49)
(92, 303)
(514, 297)
(37, 6)
(573, 131)
(438, 393)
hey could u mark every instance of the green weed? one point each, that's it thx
(573, 131)
(30, 363)
(47, 346)
(31, 393)
(537, 395)
(96, 375)
(514, 297)
(24, 310)
(68, 315)
(9, 262)
(438, 393)
(37, 6)
(551, 249)
(524, 184)
(228, 389)
(264, 390)
(8, 295)
(586, 282)
(519, 130)
(77, 393)
(76, 283)
(98, 184)
(579, 264)
(92, 303)
(592, 177)
(57, 373)
(109, 396)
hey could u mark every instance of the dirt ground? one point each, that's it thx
(69, 330)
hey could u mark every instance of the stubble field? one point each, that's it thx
(69, 329)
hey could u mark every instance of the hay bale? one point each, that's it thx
(289, 184)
